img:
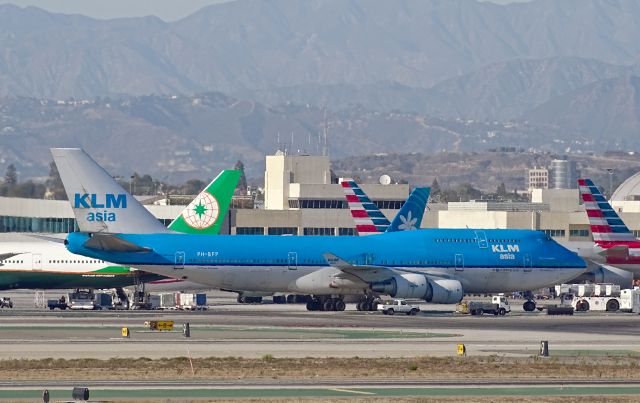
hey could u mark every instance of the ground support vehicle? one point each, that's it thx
(60, 303)
(627, 301)
(499, 305)
(599, 297)
(398, 306)
(103, 301)
(6, 302)
(81, 300)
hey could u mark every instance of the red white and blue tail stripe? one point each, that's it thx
(606, 225)
(368, 218)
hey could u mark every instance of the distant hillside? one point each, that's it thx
(255, 44)
(607, 110)
(484, 170)
(499, 91)
(176, 137)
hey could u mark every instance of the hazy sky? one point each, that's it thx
(168, 10)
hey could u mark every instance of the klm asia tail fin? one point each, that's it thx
(99, 203)
(410, 215)
(205, 214)
(368, 218)
(606, 225)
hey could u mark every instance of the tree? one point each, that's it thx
(501, 190)
(55, 189)
(192, 187)
(11, 176)
(242, 182)
(435, 187)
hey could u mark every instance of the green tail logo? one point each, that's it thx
(204, 215)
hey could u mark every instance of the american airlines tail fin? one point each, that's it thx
(369, 219)
(205, 214)
(410, 215)
(606, 225)
(99, 203)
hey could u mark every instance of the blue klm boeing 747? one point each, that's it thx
(437, 265)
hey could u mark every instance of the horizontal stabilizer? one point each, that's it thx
(619, 251)
(113, 243)
(47, 238)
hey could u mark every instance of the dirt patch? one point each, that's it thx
(271, 367)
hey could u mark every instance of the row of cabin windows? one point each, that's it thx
(76, 261)
(341, 204)
(342, 231)
(474, 240)
(15, 261)
(295, 262)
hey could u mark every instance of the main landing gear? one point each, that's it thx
(530, 304)
(323, 303)
(367, 304)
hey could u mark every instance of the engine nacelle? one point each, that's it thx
(404, 286)
(444, 291)
(608, 275)
(438, 291)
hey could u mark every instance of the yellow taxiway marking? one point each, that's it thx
(352, 391)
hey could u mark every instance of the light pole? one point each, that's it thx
(610, 172)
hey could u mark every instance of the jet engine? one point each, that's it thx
(608, 275)
(438, 291)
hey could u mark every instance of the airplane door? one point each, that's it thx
(527, 262)
(36, 261)
(293, 261)
(459, 262)
(482, 239)
(179, 261)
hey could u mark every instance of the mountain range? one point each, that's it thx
(228, 81)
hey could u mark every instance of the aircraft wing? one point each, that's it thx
(366, 273)
(370, 273)
(113, 243)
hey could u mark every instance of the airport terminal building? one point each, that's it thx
(302, 199)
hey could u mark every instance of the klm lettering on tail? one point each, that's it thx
(502, 249)
(95, 201)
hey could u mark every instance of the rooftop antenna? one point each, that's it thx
(325, 148)
(279, 149)
(291, 144)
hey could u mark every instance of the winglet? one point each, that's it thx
(336, 261)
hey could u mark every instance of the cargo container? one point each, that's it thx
(154, 301)
(201, 301)
(168, 300)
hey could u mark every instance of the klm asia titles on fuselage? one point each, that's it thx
(95, 201)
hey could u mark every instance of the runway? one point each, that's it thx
(324, 389)
(228, 329)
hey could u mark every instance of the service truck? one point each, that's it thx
(627, 301)
(499, 305)
(398, 306)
